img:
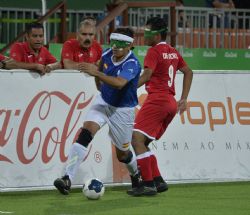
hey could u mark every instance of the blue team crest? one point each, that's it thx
(131, 70)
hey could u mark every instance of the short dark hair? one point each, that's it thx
(126, 31)
(32, 25)
(157, 24)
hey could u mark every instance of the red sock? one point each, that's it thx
(154, 166)
(144, 165)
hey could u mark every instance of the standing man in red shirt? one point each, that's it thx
(32, 52)
(160, 66)
(83, 49)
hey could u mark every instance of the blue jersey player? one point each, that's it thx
(117, 79)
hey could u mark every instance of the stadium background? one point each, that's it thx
(78, 4)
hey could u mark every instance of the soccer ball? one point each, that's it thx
(93, 189)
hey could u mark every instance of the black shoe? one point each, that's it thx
(136, 182)
(161, 185)
(63, 184)
(131, 191)
(144, 191)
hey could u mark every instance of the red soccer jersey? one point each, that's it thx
(21, 52)
(73, 51)
(1, 57)
(164, 60)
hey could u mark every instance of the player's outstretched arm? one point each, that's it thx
(146, 75)
(116, 82)
(98, 82)
(187, 81)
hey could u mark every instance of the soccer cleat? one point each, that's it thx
(161, 186)
(136, 182)
(144, 191)
(63, 184)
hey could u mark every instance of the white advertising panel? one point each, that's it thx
(40, 117)
(211, 141)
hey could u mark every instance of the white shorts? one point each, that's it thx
(119, 120)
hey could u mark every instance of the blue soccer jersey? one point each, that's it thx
(129, 68)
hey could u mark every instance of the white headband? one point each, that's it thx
(121, 37)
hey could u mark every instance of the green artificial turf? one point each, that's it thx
(184, 199)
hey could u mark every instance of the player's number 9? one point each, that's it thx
(171, 75)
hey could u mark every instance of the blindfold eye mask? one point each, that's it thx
(150, 33)
(120, 40)
(119, 44)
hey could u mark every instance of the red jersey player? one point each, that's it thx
(83, 49)
(160, 66)
(32, 52)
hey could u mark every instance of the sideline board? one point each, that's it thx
(40, 117)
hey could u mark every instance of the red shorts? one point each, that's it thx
(155, 115)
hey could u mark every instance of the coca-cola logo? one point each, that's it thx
(27, 132)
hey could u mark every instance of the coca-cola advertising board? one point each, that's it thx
(39, 119)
